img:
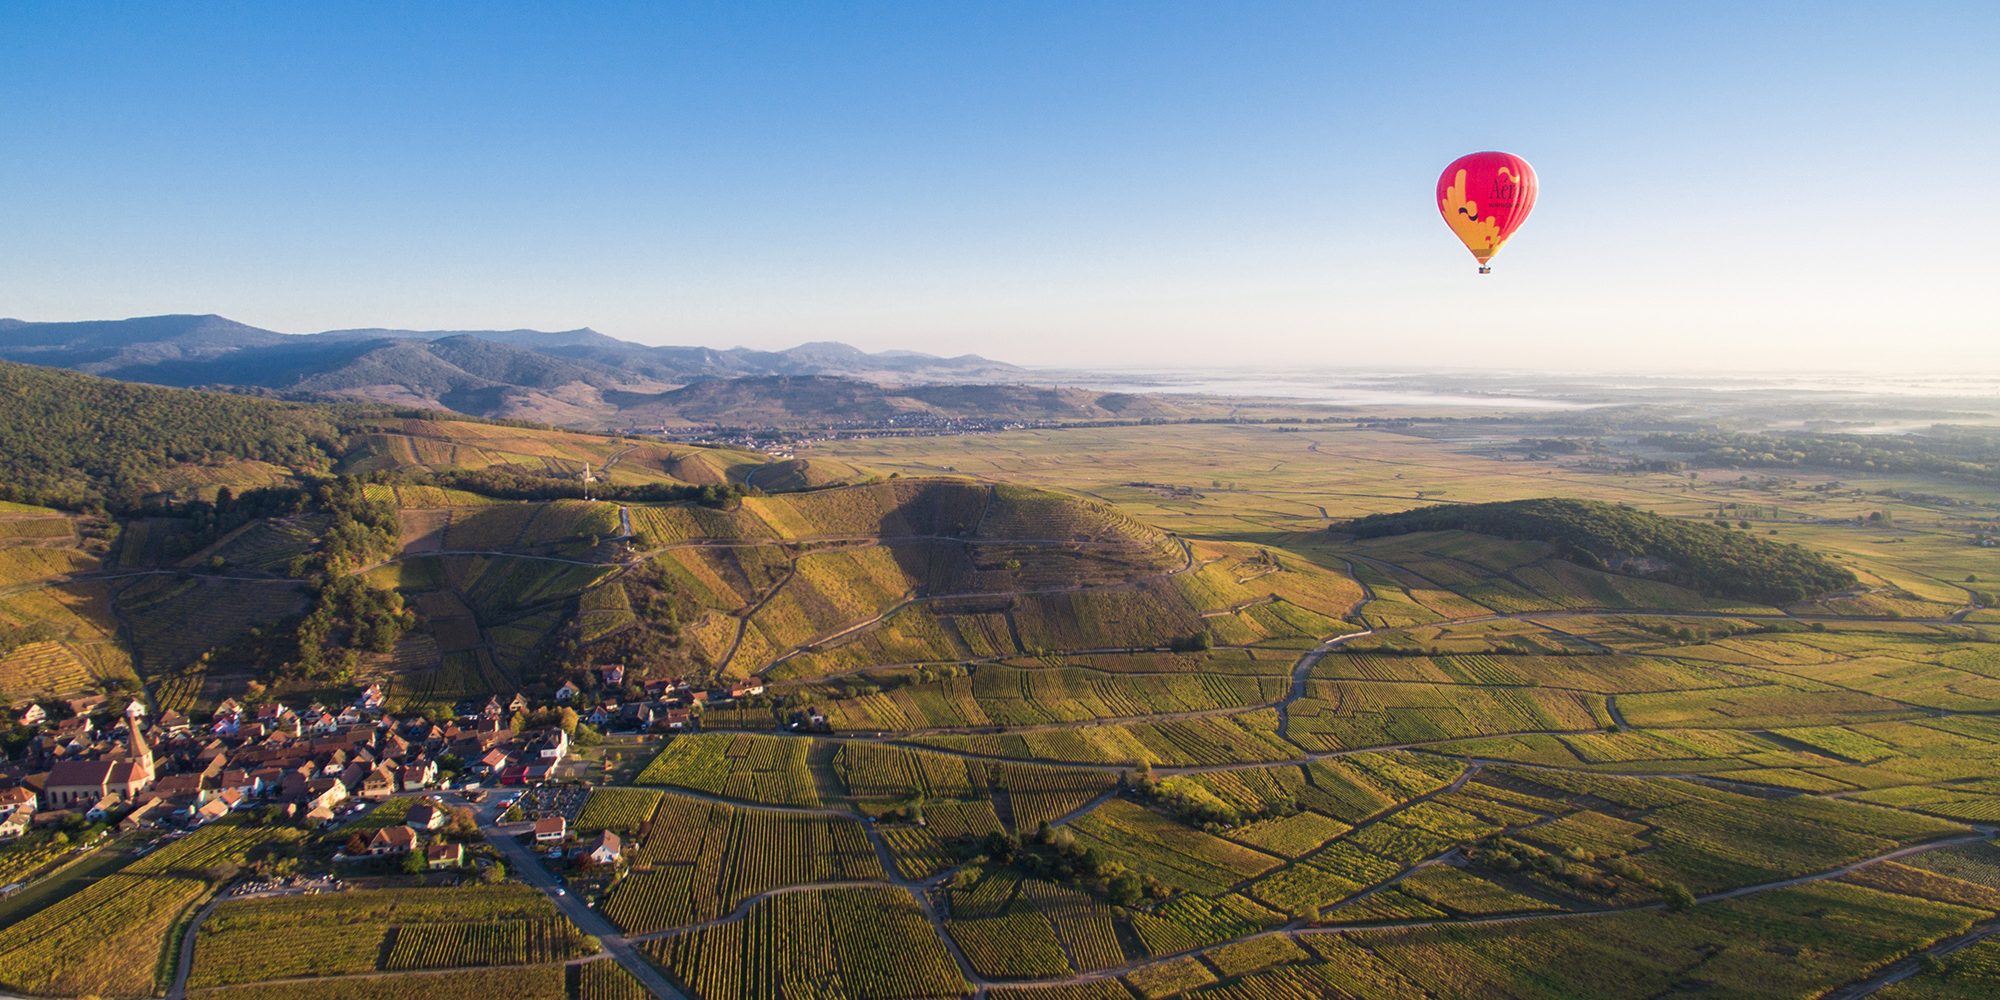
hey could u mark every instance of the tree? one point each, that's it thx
(1677, 895)
(1126, 889)
(493, 873)
(413, 862)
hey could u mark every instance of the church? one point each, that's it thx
(86, 782)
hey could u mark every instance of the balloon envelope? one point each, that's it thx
(1484, 197)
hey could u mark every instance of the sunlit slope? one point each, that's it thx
(58, 636)
(880, 568)
(831, 581)
(401, 445)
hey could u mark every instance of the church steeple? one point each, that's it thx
(135, 744)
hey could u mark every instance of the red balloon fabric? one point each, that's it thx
(1484, 197)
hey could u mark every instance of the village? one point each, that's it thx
(402, 794)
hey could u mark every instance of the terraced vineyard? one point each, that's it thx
(1464, 731)
(1127, 715)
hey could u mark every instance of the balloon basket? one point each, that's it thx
(1485, 270)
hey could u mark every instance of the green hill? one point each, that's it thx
(78, 441)
(1709, 559)
(71, 440)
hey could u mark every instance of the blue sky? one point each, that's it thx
(1098, 183)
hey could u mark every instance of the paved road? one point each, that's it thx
(1302, 671)
(185, 964)
(523, 864)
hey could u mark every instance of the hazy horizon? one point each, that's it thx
(1792, 188)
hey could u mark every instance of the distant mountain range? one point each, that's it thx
(570, 377)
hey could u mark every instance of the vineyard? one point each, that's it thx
(605, 980)
(386, 930)
(699, 859)
(622, 810)
(40, 670)
(110, 937)
(754, 768)
(534, 982)
(173, 620)
(835, 942)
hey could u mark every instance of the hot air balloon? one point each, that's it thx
(1484, 197)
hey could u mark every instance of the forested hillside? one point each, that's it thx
(1710, 559)
(77, 441)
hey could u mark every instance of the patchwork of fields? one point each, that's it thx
(1142, 727)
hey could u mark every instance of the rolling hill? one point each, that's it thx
(1709, 559)
(78, 441)
(808, 400)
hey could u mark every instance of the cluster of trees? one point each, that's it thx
(84, 443)
(513, 483)
(348, 618)
(1189, 802)
(1707, 558)
(1575, 867)
(360, 530)
(348, 615)
(1053, 855)
(1693, 634)
(581, 733)
(209, 520)
(1960, 451)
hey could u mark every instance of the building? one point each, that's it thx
(551, 830)
(18, 797)
(392, 840)
(604, 849)
(381, 783)
(84, 782)
(425, 815)
(444, 855)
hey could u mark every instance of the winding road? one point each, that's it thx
(522, 863)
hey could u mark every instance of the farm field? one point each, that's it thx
(390, 930)
(110, 937)
(1104, 712)
(1472, 730)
